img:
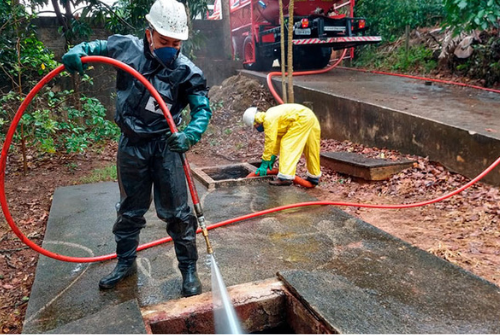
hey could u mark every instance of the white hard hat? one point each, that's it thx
(168, 18)
(249, 116)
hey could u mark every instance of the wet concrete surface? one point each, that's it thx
(122, 318)
(323, 242)
(458, 127)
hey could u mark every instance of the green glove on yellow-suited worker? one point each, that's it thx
(290, 130)
(148, 154)
(265, 166)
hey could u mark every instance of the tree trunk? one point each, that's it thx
(226, 28)
(290, 52)
(20, 87)
(282, 59)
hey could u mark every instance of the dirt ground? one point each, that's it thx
(463, 229)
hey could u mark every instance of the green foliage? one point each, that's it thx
(197, 8)
(472, 14)
(54, 125)
(390, 18)
(216, 105)
(23, 57)
(418, 59)
(129, 17)
(79, 29)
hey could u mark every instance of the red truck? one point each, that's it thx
(318, 28)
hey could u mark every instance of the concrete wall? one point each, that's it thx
(216, 63)
(347, 119)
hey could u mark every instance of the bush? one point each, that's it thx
(418, 59)
(54, 125)
(390, 18)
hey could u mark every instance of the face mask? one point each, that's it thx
(260, 128)
(165, 55)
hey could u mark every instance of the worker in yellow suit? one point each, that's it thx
(290, 130)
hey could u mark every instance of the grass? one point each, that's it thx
(107, 173)
(417, 59)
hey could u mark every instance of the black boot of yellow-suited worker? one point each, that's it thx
(122, 270)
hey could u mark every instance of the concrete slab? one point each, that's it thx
(353, 305)
(314, 239)
(456, 126)
(124, 318)
(360, 166)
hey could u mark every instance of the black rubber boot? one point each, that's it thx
(123, 269)
(126, 250)
(281, 182)
(312, 180)
(191, 284)
(183, 232)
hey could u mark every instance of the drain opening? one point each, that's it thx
(230, 172)
(221, 176)
(264, 307)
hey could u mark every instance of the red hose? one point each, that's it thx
(270, 75)
(297, 180)
(449, 82)
(32, 245)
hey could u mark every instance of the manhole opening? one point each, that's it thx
(224, 176)
(265, 307)
(229, 172)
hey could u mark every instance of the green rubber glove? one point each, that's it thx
(273, 159)
(71, 59)
(262, 170)
(179, 142)
(200, 116)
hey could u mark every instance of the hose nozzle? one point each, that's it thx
(204, 232)
(203, 226)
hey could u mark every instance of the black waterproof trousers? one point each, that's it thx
(143, 166)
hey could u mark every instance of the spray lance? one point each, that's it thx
(196, 201)
(187, 171)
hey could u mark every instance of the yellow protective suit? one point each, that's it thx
(290, 130)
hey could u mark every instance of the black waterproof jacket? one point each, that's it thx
(137, 114)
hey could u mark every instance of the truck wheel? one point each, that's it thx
(311, 58)
(324, 56)
(261, 63)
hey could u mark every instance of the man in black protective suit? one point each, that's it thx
(148, 154)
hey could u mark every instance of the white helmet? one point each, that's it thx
(249, 116)
(168, 18)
